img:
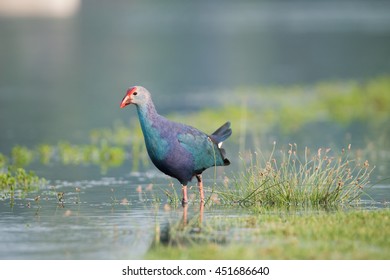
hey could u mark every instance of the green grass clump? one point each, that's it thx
(356, 234)
(287, 178)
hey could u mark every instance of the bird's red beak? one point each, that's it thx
(128, 97)
(126, 101)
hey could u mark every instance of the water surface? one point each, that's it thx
(110, 219)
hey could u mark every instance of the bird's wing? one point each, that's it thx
(194, 142)
(205, 153)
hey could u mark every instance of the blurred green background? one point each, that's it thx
(64, 68)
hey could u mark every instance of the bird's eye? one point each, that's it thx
(135, 93)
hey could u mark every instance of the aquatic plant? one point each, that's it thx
(3, 161)
(45, 153)
(21, 156)
(101, 154)
(285, 177)
(17, 181)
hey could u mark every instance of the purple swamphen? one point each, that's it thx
(176, 149)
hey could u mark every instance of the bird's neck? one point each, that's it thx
(150, 122)
(147, 115)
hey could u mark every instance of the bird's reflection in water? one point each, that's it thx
(199, 216)
(186, 230)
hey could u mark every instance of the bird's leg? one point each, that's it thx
(201, 210)
(184, 201)
(185, 215)
(200, 186)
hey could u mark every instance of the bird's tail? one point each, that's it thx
(220, 135)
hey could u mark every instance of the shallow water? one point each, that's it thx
(105, 219)
(57, 232)
(97, 219)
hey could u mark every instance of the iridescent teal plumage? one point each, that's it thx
(178, 150)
